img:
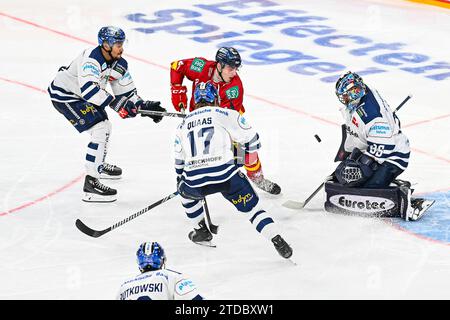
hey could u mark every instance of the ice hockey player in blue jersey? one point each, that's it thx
(375, 150)
(79, 93)
(205, 164)
(155, 281)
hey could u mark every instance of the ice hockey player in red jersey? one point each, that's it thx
(223, 73)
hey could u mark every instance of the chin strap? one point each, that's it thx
(220, 72)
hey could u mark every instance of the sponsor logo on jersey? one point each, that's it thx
(361, 112)
(120, 69)
(224, 112)
(366, 204)
(243, 122)
(184, 286)
(90, 68)
(380, 129)
(197, 65)
(355, 122)
(243, 199)
(232, 93)
(89, 108)
(350, 132)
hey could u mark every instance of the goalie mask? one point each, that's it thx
(350, 88)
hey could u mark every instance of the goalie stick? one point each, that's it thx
(297, 205)
(97, 233)
(164, 114)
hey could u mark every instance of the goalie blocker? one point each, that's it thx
(390, 202)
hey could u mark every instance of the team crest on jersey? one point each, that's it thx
(232, 93)
(197, 65)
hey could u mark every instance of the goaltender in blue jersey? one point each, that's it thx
(205, 164)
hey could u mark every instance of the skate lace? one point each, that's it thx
(108, 167)
(101, 186)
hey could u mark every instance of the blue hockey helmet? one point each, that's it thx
(110, 35)
(150, 256)
(228, 56)
(205, 93)
(350, 88)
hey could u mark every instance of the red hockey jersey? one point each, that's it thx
(231, 95)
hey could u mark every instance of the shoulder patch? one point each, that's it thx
(176, 64)
(198, 65)
(90, 68)
(243, 122)
(232, 93)
(177, 145)
(184, 286)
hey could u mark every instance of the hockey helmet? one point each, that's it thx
(110, 35)
(228, 56)
(150, 256)
(205, 93)
(350, 88)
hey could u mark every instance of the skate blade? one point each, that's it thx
(89, 197)
(426, 205)
(206, 244)
(107, 177)
(294, 205)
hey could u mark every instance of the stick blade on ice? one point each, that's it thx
(294, 205)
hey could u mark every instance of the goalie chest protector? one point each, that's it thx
(363, 202)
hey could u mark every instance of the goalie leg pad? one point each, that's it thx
(363, 202)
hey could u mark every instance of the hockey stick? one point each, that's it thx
(163, 114)
(97, 233)
(300, 205)
(212, 227)
(403, 102)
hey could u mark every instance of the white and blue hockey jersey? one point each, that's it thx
(375, 130)
(86, 79)
(204, 152)
(163, 284)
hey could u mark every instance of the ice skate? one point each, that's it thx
(282, 247)
(418, 208)
(95, 191)
(201, 236)
(110, 171)
(264, 184)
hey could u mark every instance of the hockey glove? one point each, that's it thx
(152, 106)
(124, 107)
(179, 97)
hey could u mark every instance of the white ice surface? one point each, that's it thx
(43, 255)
